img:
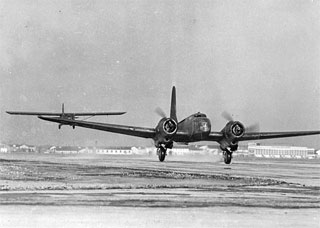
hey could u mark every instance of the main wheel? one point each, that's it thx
(227, 156)
(162, 153)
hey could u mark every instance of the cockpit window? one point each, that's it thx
(199, 114)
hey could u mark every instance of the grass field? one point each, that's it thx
(285, 189)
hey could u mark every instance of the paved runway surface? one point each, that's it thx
(132, 191)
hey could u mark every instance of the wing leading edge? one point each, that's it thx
(217, 136)
(121, 129)
(66, 113)
(272, 135)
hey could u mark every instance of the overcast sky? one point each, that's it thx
(259, 60)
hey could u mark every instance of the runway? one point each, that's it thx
(131, 191)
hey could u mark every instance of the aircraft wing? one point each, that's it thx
(272, 135)
(121, 129)
(66, 113)
(217, 136)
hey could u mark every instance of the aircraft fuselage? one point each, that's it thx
(197, 127)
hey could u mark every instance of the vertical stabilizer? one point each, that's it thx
(62, 111)
(173, 110)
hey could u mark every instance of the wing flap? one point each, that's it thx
(121, 129)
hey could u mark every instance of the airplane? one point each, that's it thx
(67, 115)
(195, 128)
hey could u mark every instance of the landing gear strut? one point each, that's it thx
(162, 151)
(227, 156)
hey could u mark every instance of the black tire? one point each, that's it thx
(227, 157)
(161, 154)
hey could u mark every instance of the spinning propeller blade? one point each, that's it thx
(227, 116)
(160, 112)
(253, 128)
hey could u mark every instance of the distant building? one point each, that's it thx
(178, 150)
(106, 150)
(143, 150)
(192, 150)
(27, 148)
(4, 148)
(44, 149)
(65, 149)
(21, 148)
(116, 151)
(281, 151)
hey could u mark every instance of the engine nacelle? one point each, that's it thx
(233, 131)
(165, 130)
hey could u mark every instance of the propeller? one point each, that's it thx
(251, 128)
(160, 112)
(227, 116)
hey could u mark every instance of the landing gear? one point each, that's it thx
(227, 156)
(162, 151)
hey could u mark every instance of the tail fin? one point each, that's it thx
(173, 110)
(62, 111)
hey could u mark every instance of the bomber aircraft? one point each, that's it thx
(195, 128)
